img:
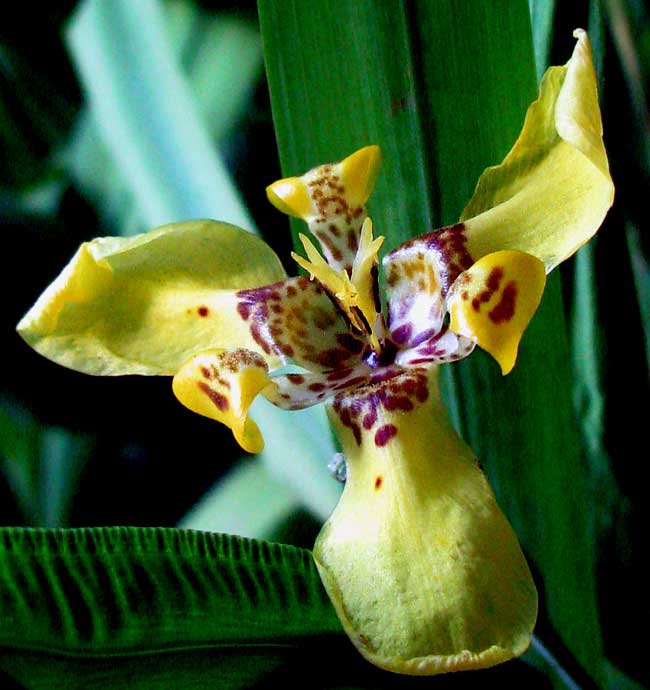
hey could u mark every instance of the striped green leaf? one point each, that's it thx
(116, 593)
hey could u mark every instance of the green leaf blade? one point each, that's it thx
(119, 591)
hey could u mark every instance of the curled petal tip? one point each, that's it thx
(359, 172)
(493, 302)
(291, 196)
(221, 385)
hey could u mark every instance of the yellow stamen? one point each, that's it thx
(355, 295)
(362, 278)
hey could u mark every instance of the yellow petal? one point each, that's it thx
(222, 384)
(422, 567)
(552, 191)
(291, 196)
(145, 304)
(493, 302)
(359, 173)
(364, 278)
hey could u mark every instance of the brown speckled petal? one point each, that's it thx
(296, 320)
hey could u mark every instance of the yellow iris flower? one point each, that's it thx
(423, 569)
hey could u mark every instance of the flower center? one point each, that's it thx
(356, 295)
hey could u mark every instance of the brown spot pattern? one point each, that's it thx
(337, 223)
(363, 408)
(296, 318)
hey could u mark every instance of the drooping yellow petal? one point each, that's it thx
(330, 198)
(145, 304)
(222, 384)
(493, 302)
(552, 191)
(423, 569)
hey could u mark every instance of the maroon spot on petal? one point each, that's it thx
(259, 339)
(384, 434)
(505, 309)
(203, 311)
(398, 403)
(316, 387)
(338, 374)
(422, 392)
(296, 378)
(378, 482)
(356, 381)
(207, 374)
(369, 420)
(244, 310)
(401, 335)
(494, 279)
(218, 400)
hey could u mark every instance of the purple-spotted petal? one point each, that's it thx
(444, 346)
(298, 321)
(297, 391)
(418, 275)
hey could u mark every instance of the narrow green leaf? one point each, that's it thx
(542, 13)
(140, 98)
(641, 275)
(249, 501)
(41, 463)
(341, 76)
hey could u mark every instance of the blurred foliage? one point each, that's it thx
(80, 451)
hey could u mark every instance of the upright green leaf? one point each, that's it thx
(341, 75)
